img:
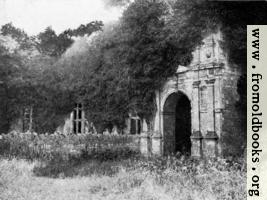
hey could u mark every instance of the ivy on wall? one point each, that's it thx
(122, 66)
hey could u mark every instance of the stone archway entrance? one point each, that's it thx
(177, 124)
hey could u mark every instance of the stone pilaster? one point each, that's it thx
(128, 126)
(218, 113)
(210, 105)
(156, 144)
(196, 140)
(195, 107)
(196, 137)
(210, 146)
(144, 144)
(71, 122)
(210, 139)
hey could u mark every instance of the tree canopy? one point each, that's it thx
(148, 43)
(117, 70)
(30, 75)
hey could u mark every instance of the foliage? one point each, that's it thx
(9, 74)
(146, 54)
(60, 147)
(116, 3)
(139, 178)
(125, 64)
(31, 77)
(24, 41)
(231, 18)
(114, 168)
(120, 69)
(51, 44)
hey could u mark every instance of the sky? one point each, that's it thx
(33, 16)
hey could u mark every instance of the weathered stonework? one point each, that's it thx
(210, 87)
(144, 144)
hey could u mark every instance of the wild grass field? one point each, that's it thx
(116, 173)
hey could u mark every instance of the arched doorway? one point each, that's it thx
(177, 124)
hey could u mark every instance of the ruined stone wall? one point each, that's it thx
(211, 86)
(233, 123)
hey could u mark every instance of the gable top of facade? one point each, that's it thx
(208, 53)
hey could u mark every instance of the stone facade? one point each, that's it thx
(207, 90)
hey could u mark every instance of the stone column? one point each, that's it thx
(136, 126)
(196, 140)
(83, 121)
(71, 122)
(128, 126)
(144, 126)
(210, 105)
(195, 107)
(210, 139)
(196, 137)
(144, 144)
(218, 113)
(157, 119)
(156, 144)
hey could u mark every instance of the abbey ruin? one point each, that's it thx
(195, 108)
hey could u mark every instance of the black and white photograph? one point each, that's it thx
(127, 99)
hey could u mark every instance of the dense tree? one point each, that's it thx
(120, 69)
(94, 81)
(134, 60)
(117, 2)
(124, 65)
(23, 40)
(127, 63)
(51, 44)
(30, 76)
(8, 72)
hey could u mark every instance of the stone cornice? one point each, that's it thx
(208, 65)
(196, 135)
(210, 81)
(196, 83)
(211, 135)
(218, 110)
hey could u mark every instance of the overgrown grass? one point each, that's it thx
(139, 178)
(106, 162)
(114, 172)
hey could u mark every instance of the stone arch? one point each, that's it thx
(176, 123)
(171, 91)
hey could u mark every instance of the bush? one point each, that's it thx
(61, 147)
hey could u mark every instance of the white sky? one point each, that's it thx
(33, 16)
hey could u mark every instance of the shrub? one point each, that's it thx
(60, 147)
